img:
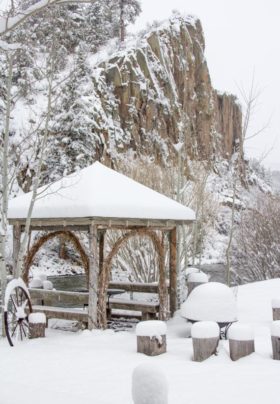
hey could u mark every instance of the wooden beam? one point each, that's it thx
(53, 297)
(173, 270)
(16, 246)
(93, 277)
(101, 237)
(103, 222)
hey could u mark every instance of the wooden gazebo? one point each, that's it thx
(97, 199)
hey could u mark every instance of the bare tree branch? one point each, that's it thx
(9, 23)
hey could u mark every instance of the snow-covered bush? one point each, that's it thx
(210, 302)
(36, 283)
(149, 385)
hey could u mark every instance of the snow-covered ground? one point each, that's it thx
(96, 367)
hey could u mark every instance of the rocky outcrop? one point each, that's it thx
(163, 93)
(143, 100)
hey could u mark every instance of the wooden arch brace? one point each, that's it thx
(67, 236)
(104, 274)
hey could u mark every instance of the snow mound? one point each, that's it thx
(205, 329)
(149, 385)
(37, 318)
(48, 285)
(241, 332)
(198, 277)
(275, 329)
(210, 302)
(36, 283)
(191, 270)
(151, 328)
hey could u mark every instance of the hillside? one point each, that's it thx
(139, 101)
(146, 108)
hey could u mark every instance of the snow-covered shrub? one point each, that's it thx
(36, 283)
(48, 285)
(210, 302)
(149, 385)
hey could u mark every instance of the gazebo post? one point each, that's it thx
(101, 235)
(93, 277)
(16, 246)
(173, 270)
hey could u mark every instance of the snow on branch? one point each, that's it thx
(8, 23)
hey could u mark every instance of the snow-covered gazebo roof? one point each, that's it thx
(100, 194)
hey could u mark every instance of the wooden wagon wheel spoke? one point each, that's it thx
(17, 297)
(14, 329)
(20, 330)
(17, 308)
(23, 330)
(14, 304)
(25, 323)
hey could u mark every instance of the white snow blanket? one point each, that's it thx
(97, 367)
(151, 328)
(149, 385)
(98, 191)
(199, 277)
(205, 329)
(210, 302)
(241, 332)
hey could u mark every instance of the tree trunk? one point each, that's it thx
(122, 22)
(173, 271)
(5, 187)
(203, 348)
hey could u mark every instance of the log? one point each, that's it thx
(37, 325)
(203, 348)
(205, 338)
(275, 309)
(241, 341)
(151, 337)
(275, 347)
(275, 339)
(151, 346)
(195, 279)
(239, 349)
(276, 313)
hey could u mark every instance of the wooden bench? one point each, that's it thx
(46, 301)
(148, 310)
(62, 313)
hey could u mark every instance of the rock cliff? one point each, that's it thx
(162, 95)
(137, 101)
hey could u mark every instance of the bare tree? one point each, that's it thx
(15, 16)
(257, 240)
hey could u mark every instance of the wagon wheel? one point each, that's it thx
(17, 308)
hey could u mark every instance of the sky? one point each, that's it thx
(242, 43)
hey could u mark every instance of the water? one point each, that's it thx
(68, 282)
(217, 272)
